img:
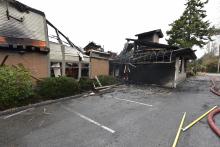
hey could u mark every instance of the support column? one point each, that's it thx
(183, 65)
(63, 60)
(80, 70)
(176, 72)
(63, 54)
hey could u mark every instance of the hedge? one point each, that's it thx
(52, 88)
(86, 84)
(16, 85)
(107, 80)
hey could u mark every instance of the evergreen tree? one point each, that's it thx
(191, 28)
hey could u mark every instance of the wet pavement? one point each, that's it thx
(129, 116)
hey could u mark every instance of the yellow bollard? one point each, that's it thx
(198, 119)
(179, 130)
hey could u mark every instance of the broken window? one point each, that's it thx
(55, 69)
(72, 70)
(85, 70)
(116, 74)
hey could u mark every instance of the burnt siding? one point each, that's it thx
(159, 73)
(33, 26)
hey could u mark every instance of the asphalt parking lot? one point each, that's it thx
(128, 116)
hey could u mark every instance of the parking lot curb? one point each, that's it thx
(14, 110)
(17, 109)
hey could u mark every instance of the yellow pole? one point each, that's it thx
(179, 130)
(198, 119)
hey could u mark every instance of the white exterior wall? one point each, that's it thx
(71, 55)
(179, 77)
(33, 26)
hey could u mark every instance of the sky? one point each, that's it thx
(109, 22)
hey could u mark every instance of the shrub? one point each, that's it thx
(57, 87)
(16, 85)
(190, 74)
(212, 66)
(107, 80)
(85, 84)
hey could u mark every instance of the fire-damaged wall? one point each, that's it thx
(159, 74)
(146, 61)
(24, 37)
(20, 21)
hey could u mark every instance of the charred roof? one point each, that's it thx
(187, 53)
(152, 44)
(23, 8)
(150, 33)
(92, 45)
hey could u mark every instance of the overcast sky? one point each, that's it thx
(109, 22)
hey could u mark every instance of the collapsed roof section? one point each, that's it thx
(149, 44)
(70, 54)
(93, 46)
(147, 50)
(58, 36)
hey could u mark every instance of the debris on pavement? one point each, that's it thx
(41, 123)
(45, 112)
(102, 88)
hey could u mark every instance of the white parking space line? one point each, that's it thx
(89, 119)
(11, 115)
(132, 101)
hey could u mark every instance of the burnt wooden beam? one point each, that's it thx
(23, 43)
(33, 77)
(4, 60)
(67, 39)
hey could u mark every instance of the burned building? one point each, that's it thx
(99, 60)
(66, 59)
(23, 37)
(24, 40)
(145, 60)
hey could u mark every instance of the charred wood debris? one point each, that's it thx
(143, 51)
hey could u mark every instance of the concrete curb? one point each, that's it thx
(14, 110)
(86, 94)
